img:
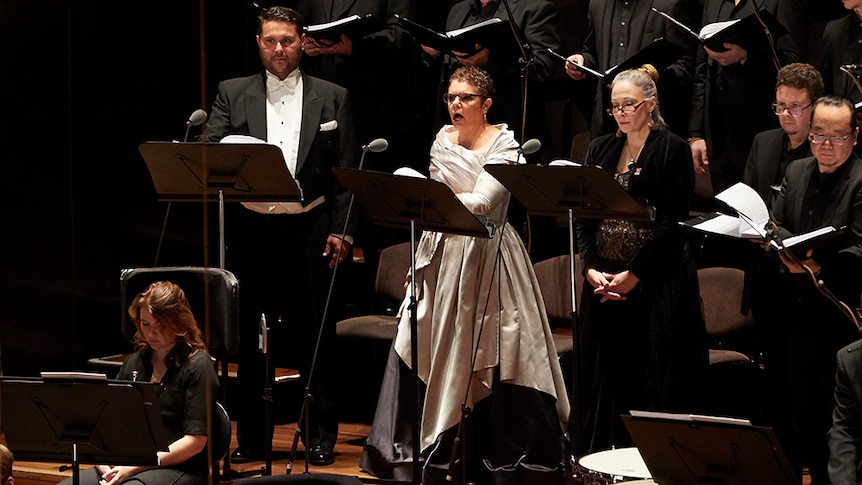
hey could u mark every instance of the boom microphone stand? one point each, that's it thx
(525, 61)
(377, 145)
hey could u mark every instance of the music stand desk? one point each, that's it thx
(82, 421)
(706, 449)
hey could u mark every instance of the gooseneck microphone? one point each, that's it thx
(376, 146)
(195, 119)
(530, 146)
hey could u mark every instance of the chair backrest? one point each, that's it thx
(392, 271)
(721, 293)
(555, 281)
(213, 294)
(221, 431)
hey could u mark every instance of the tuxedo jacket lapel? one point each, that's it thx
(255, 108)
(312, 107)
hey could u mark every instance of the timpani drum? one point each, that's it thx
(612, 466)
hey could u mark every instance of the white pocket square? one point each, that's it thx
(329, 125)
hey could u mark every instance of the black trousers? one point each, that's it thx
(278, 261)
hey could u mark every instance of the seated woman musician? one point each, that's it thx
(171, 352)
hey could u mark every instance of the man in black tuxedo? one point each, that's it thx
(845, 437)
(818, 191)
(283, 253)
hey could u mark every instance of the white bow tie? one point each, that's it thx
(273, 84)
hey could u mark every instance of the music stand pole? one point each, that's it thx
(414, 355)
(526, 60)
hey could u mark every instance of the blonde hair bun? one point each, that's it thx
(650, 71)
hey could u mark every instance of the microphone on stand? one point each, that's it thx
(530, 146)
(377, 145)
(195, 119)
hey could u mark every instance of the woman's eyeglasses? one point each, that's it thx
(464, 97)
(795, 111)
(626, 108)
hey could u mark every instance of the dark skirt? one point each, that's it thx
(648, 352)
(511, 437)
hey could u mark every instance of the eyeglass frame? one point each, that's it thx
(790, 109)
(836, 141)
(613, 110)
(460, 97)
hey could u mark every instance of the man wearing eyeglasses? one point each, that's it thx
(818, 191)
(797, 86)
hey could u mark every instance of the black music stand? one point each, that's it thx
(585, 192)
(419, 203)
(85, 420)
(706, 449)
(219, 172)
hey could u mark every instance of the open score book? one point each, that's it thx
(753, 217)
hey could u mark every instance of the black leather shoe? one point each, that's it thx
(242, 455)
(321, 455)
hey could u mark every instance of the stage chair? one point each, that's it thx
(364, 341)
(301, 479)
(555, 282)
(389, 292)
(733, 372)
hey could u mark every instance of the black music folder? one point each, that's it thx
(747, 32)
(681, 448)
(661, 53)
(354, 27)
(487, 33)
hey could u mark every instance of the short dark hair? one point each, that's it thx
(479, 78)
(801, 76)
(280, 14)
(835, 100)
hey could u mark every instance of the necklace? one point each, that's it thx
(633, 158)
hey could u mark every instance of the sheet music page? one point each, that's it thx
(409, 172)
(790, 241)
(334, 23)
(711, 29)
(457, 32)
(746, 201)
(722, 224)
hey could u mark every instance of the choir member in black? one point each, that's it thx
(537, 24)
(733, 90)
(617, 30)
(842, 44)
(818, 191)
(797, 86)
(641, 300)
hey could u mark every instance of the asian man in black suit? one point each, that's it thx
(284, 252)
(818, 191)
